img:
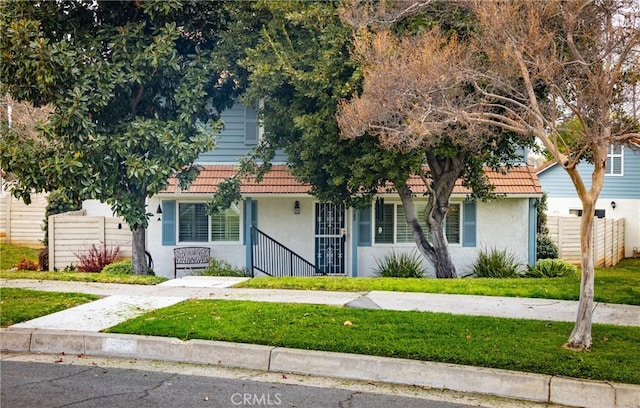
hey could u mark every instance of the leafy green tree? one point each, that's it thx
(304, 65)
(136, 90)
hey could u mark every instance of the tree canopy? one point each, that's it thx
(304, 64)
(136, 90)
(584, 53)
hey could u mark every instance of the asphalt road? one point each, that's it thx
(36, 384)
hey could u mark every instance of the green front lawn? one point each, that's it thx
(19, 305)
(612, 285)
(10, 255)
(523, 345)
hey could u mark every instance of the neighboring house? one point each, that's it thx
(338, 240)
(619, 198)
(21, 224)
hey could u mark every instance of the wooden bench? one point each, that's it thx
(190, 259)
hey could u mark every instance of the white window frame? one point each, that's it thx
(395, 226)
(611, 156)
(234, 208)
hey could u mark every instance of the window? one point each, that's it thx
(225, 226)
(385, 225)
(614, 161)
(393, 228)
(597, 213)
(193, 221)
(195, 224)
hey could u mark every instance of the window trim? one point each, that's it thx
(609, 170)
(209, 230)
(395, 242)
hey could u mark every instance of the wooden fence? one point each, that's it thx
(608, 239)
(21, 224)
(73, 232)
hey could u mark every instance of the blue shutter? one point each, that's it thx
(250, 218)
(364, 227)
(168, 222)
(469, 224)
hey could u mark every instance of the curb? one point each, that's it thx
(502, 383)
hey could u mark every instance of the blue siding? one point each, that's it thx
(237, 138)
(556, 182)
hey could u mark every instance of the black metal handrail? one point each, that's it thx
(274, 259)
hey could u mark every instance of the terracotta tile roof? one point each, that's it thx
(519, 180)
(278, 181)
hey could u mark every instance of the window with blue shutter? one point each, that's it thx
(469, 217)
(168, 222)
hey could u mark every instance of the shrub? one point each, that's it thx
(496, 264)
(546, 249)
(43, 259)
(220, 267)
(403, 265)
(124, 267)
(551, 268)
(26, 265)
(119, 268)
(97, 257)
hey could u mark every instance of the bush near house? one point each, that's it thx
(551, 268)
(496, 263)
(124, 267)
(26, 265)
(97, 257)
(401, 265)
(220, 267)
(546, 249)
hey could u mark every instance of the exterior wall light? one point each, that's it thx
(296, 207)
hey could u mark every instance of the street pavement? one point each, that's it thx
(121, 302)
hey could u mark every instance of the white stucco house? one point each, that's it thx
(619, 198)
(335, 240)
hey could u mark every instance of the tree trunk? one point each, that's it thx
(438, 253)
(139, 246)
(580, 338)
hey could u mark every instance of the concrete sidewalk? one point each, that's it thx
(76, 331)
(123, 302)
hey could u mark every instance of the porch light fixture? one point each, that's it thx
(613, 205)
(159, 212)
(296, 207)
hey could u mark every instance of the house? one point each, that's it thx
(337, 240)
(619, 198)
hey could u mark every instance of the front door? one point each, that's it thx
(330, 238)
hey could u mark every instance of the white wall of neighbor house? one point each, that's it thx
(629, 209)
(501, 224)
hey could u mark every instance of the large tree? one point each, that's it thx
(304, 65)
(585, 54)
(136, 90)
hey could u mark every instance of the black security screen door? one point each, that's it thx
(330, 238)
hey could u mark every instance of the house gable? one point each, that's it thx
(240, 133)
(556, 181)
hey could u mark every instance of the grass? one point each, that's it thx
(19, 305)
(522, 345)
(612, 285)
(10, 255)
